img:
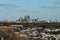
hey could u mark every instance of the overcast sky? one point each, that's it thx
(43, 9)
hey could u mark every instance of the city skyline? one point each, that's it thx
(43, 9)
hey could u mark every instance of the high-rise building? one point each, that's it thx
(27, 18)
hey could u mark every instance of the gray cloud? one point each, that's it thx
(13, 8)
(52, 7)
(35, 12)
(8, 5)
(56, 2)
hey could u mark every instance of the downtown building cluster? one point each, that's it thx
(27, 19)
